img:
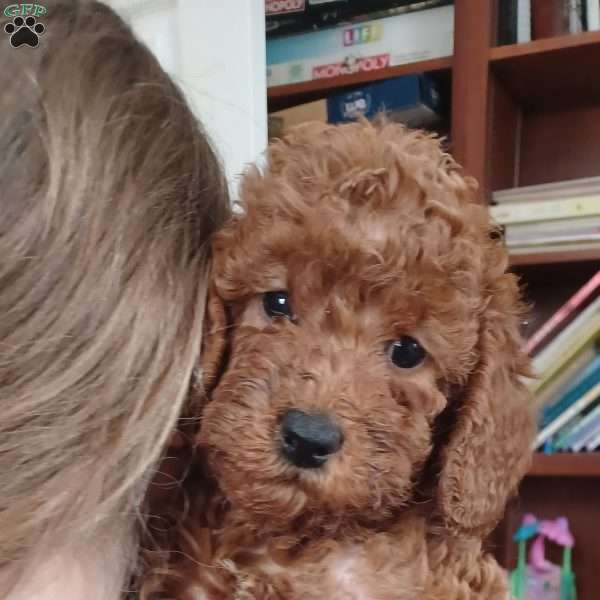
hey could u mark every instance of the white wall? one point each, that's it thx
(215, 50)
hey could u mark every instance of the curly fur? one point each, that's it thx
(375, 233)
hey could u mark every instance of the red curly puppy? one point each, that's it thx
(365, 421)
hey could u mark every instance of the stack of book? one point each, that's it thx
(550, 217)
(566, 361)
(358, 38)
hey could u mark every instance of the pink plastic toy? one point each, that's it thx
(541, 579)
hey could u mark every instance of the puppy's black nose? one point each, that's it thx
(307, 441)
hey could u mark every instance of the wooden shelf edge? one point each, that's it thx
(565, 465)
(287, 95)
(554, 44)
(555, 257)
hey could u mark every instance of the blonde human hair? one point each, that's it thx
(109, 193)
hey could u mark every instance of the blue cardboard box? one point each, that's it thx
(410, 99)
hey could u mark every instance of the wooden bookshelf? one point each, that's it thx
(566, 465)
(283, 96)
(522, 114)
(542, 124)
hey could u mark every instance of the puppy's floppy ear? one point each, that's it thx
(488, 450)
(212, 356)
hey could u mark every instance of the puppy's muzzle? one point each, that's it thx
(308, 440)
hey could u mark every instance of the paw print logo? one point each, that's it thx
(24, 32)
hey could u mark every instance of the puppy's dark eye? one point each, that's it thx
(277, 304)
(406, 353)
(497, 233)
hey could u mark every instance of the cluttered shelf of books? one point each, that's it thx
(575, 56)
(563, 339)
(564, 342)
(315, 47)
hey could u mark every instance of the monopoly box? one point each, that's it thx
(366, 46)
(411, 99)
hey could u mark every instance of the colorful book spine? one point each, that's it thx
(567, 344)
(547, 432)
(559, 385)
(526, 212)
(580, 434)
(594, 443)
(557, 442)
(562, 315)
(590, 377)
(580, 444)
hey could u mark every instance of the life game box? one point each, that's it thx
(366, 46)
